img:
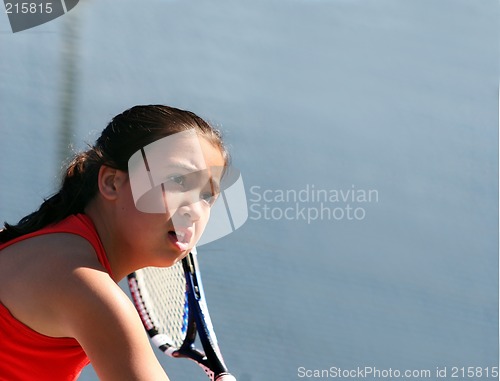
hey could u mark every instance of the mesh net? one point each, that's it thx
(163, 291)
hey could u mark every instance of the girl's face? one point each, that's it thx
(173, 184)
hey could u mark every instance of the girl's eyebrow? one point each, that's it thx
(184, 165)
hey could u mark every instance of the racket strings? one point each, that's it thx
(163, 291)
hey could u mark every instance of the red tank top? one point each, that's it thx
(26, 355)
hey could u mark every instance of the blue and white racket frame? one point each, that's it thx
(196, 322)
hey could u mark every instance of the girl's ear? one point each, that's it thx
(110, 181)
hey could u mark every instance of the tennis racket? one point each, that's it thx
(172, 307)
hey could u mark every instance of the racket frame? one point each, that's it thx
(199, 324)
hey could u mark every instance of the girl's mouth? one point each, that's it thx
(180, 238)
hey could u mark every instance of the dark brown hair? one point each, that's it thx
(125, 134)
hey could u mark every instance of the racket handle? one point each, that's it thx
(225, 377)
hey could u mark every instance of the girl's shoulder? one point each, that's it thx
(41, 274)
(45, 255)
(57, 287)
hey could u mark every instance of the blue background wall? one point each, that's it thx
(400, 97)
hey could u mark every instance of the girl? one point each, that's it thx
(60, 305)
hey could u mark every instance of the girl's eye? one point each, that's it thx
(208, 197)
(177, 179)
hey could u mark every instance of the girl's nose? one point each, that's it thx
(192, 211)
